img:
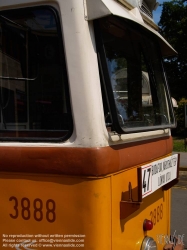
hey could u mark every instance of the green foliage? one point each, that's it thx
(178, 145)
(179, 113)
(173, 26)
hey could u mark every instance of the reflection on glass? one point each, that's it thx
(32, 75)
(136, 76)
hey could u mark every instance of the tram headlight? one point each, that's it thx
(149, 244)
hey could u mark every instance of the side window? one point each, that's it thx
(34, 99)
(133, 78)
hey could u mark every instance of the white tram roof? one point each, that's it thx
(100, 8)
(95, 9)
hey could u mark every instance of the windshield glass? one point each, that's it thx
(34, 99)
(132, 66)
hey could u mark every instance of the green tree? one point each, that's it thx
(173, 26)
(179, 113)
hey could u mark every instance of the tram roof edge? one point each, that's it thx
(100, 8)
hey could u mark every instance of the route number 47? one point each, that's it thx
(146, 182)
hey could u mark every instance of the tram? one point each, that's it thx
(85, 126)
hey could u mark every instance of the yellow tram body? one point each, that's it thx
(81, 211)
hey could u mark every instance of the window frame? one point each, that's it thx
(65, 86)
(106, 81)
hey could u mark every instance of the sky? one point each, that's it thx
(157, 13)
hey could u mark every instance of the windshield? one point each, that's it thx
(133, 77)
(34, 99)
